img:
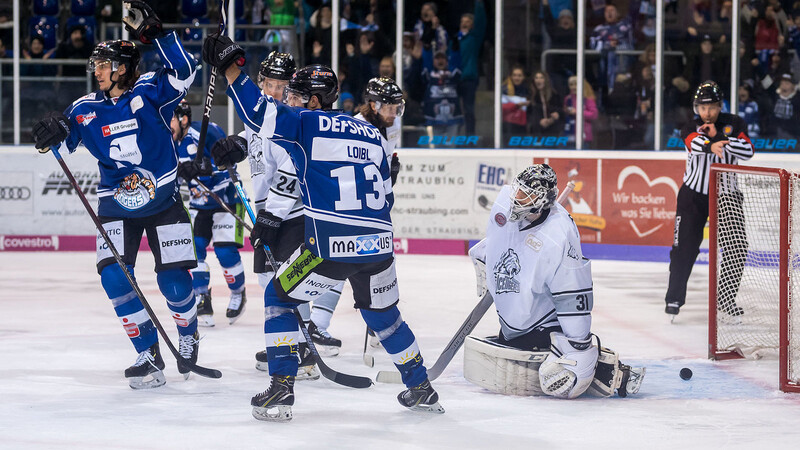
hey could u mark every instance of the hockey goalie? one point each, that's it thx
(532, 265)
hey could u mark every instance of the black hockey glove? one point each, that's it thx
(142, 22)
(50, 130)
(265, 230)
(229, 151)
(220, 51)
(189, 170)
(394, 168)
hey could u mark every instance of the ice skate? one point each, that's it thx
(307, 370)
(261, 361)
(146, 372)
(275, 404)
(327, 345)
(236, 306)
(673, 309)
(632, 378)
(188, 347)
(205, 313)
(421, 398)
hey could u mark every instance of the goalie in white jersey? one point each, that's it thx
(532, 265)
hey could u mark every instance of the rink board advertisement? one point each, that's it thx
(623, 201)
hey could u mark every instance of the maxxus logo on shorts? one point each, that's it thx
(370, 244)
(15, 193)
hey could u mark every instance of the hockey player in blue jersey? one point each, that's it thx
(347, 194)
(125, 125)
(211, 222)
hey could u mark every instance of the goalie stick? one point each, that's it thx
(449, 352)
(344, 379)
(185, 363)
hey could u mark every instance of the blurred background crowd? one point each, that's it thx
(448, 50)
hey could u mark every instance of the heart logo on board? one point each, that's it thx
(636, 170)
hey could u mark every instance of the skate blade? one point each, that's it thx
(635, 380)
(672, 318)
(279, 413)
(435, 408)
(262, 366)
(233, 319)
(205, 321)
(150, 381)
(327, 350)
(307, 373)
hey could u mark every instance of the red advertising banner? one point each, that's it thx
(622, 201)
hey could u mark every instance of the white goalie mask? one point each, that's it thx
(533, 191)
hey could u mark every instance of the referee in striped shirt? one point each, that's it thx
(712, 137)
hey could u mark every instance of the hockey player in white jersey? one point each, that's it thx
(125, 125)
(532, 265)
(277, 193)
(383, 107)
(347, 195)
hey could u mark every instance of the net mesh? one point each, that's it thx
(747, 266)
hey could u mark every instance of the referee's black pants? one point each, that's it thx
(690, 220)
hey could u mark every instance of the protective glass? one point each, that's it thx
(389, 109)
(94, 63)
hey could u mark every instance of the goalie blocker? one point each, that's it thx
(512, 371)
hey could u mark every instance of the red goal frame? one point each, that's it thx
(783, 267)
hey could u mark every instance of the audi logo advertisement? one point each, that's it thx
(15, 193)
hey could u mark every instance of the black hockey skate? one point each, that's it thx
(146, 372)
(327, 345)
(236, 306)
(421, 398)
(205, 313)
(673, 309)
(307, 370)
(275, 404)
(188, 347)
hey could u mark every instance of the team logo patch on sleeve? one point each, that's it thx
(85, 119)
(500, 219)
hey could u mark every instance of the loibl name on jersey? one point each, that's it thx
(85, 119)
(351, 126)
(119, 127)
(371, 244)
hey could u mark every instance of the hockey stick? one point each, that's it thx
(212, 81)
(227, 208)
(185, 363)
(344, 379)
(370, 342)
(386, 376)
(466, 328)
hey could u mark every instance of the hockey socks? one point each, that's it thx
(398, 340)
(281, 333)
(128, 307)
(176, 285)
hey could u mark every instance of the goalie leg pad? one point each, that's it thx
(500, 368)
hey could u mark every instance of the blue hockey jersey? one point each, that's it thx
(219, 181)
(131, 138)
(342, 169)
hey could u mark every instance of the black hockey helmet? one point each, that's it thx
(183, 109)
(316, 79)
(533, 191)
(708, 92)
(384, 91)
(278, 66)
(118, 52)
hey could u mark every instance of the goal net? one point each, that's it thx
(754, 267)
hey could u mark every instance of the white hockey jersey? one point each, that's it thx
(274, 178)
(391, 133)
(536, 272)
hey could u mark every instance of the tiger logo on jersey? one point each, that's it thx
(135, 190)
(505, 272)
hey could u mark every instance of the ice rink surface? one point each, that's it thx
(63, 353)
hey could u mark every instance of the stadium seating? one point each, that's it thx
(194, 8)
(88, 22)
(46, 7)
(46, 27)
(82, 7)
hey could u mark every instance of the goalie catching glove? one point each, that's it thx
(220, 51)
(229, 151)
(142, 22)
(569, 369)
(50, 131)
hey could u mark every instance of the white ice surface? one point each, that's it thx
(62, 354)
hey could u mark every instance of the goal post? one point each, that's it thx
(754, 267)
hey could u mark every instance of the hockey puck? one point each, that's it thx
(686, 373)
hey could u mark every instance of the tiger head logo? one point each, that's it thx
(505, 272)
(135, 190)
